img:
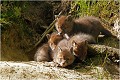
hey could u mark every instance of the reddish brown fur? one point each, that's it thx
(62, 54)
(80, 50)
(90, 25)
(83, 37)
(79, 44)
(43, 53)
(53, 40)
(64, 24)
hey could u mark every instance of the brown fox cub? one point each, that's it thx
(90, 25)
(53, 39)
(80, 50)
(63, 54)
(43, 53)
(79, 44)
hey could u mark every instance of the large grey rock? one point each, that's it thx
(44, 71)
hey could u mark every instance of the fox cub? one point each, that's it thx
(63, 55)
(90, 25)
(79, 45)
(54, 39)
(43, 53)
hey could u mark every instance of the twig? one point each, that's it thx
(47, 31)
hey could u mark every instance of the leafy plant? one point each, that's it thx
(106, 10)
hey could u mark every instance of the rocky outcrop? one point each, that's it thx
(36, 71)
(48, 71)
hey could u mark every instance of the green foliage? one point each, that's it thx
(16, 33)
(106, 10)
(11, 13)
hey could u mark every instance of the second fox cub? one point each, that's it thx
(54, 39)
(90, 25)
(79, 44)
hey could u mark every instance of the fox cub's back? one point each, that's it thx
(43, 53)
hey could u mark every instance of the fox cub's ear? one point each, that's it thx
(48, 36)
(69, 18)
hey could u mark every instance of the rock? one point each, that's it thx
(35, 70)
(43, 71)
